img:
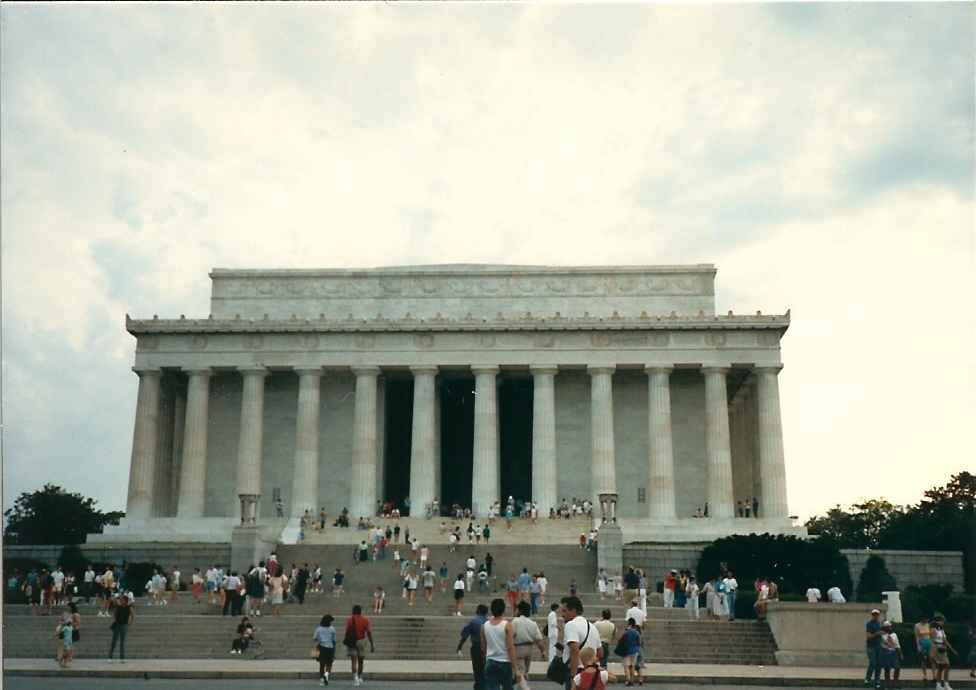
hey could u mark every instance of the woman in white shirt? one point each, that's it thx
(458, 594)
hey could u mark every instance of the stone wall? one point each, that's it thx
(907, 567)
(819, 634)
(186, 556)
(912, 567)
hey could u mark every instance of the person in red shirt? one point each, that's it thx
(669, 583)
(358, 631)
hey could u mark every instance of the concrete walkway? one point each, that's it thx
(688, 674)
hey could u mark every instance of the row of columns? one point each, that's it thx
(424, 452)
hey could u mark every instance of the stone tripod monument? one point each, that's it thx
(465, 383)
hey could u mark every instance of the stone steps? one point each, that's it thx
(397, 637)
(544, 532)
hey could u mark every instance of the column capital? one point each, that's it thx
(147, 371)
(774, 370)
(366, 370)
(197, 371)
(544, 369)
(665, 370)
(308, 371)
(715, 370)
(597, 369)
(484, 369)
(254, 370)
(424, 369)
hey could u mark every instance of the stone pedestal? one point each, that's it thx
(610, 549)
(249, 545)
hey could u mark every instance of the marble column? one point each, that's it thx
(193, 473)
(250, 446)
(603, 477)
(484, 480)
(772, 466)
(362, 502)
(717, 446)
(660, 493)
(163, 483)
(305, 480)
(381, 438)
(145, 440)
(179, 417)
(423, 451)
(544, 478)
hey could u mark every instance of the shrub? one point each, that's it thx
(137, 575)
(874, 580)
(72, 560)
(924, 600)
(795, 564)
(959, 608)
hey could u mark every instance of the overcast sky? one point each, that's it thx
(820, 155)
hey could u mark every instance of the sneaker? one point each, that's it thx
(322, 681)
(946, 686)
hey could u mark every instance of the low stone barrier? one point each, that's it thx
(820, 634)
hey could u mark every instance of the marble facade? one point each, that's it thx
(639, 389)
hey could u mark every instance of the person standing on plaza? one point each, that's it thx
(891, 656)
(632, 585)
(472, 631)
(629, 648)
(639, 617)
(940, 652)
(88, 582)
(498, 643)
(358, 631)
(923, 645)
(175, 582)
(526, 635)
(608, 631)
(325, 640)
(123, 615)
(578, 634)
(872, 638)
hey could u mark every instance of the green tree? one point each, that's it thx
(54, 516)
(860, 527)
(795, 564)
(874, 580)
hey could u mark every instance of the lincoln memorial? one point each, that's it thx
(466, 383)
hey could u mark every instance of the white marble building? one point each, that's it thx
(630, 383)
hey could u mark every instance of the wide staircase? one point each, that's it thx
(185, 630)
(189, 630)
(523, 531)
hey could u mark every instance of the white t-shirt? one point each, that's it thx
(731, 584)
(578, 678)
(58, 578)
(89, 576)
(543, 582)
(693, 591)
(813, 595)
(459, 585)
(834, 596)
(638, 615)
(578, 630)
(471, 563)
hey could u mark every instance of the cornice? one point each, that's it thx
(501, 322)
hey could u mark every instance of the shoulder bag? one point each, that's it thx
(558, 670)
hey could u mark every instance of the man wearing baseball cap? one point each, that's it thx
(872, 641)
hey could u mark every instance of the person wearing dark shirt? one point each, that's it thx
(122, 616)
(472, 631)
(872, 642)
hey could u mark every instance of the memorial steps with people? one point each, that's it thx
(562, 531)
(184, 630)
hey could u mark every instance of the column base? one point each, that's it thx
(174, 529)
